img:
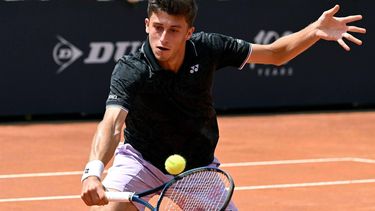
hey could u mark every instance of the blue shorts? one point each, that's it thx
(130, 172)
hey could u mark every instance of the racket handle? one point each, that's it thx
(119, 196)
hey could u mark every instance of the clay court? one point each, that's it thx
(287, 161)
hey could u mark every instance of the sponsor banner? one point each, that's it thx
(325, 75)
(57, 56)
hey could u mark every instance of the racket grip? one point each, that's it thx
(119, 196)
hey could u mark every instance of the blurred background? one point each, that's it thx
(56, 60)
(56, 57)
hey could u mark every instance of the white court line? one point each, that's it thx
(311, 184)
(303, 161)
(363, 160)
(257, 163)
(241, 188)
(45, 174)
(47, 198)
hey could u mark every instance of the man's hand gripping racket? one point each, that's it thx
(204, 188)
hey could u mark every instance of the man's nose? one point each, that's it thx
(163, 37)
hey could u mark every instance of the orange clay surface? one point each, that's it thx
(314, 161)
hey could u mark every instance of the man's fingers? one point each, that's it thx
(95, 198)
(102, 199)
(356, 29)
(87, 199)
(352, 38)
(92, 198)
(94, 195)
(93, 192)
(343, 44)
(350, 18)
(333, 10)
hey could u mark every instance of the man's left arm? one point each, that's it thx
(327, 27)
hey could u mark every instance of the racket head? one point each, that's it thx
(205, 188)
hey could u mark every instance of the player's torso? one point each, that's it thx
(173, 113)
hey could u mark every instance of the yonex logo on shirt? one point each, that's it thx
(194, 69)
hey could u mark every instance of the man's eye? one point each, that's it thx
(158, 28)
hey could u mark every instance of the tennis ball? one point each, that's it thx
(175, 164)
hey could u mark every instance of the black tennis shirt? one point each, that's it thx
(173, 113)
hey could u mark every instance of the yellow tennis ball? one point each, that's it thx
(175, 164)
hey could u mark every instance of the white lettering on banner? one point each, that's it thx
(65, 53)
(123, 46)
(266, 37)
(100, 52)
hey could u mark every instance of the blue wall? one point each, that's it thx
(57, 56)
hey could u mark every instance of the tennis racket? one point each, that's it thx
(205, 188)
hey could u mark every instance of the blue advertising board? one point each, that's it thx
(57, 56)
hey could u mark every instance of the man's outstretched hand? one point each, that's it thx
(336, 28)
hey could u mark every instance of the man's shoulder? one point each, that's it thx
(208, 39)
(132, 66)
(201, 42)
(199, 37)
(135, 59)
(135, 62)
(206, 36)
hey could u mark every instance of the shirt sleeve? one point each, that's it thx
(229, 51)
(124, 83)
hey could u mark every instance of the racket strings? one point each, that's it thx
(204, 190)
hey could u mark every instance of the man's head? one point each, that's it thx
(169, 25)
(185, 8)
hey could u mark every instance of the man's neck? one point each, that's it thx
(175, 64)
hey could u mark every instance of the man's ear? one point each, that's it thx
(190, 32)
(147, 23)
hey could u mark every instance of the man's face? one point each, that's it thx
(167, 35)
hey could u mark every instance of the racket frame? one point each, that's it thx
(193, 171)
(137, 197)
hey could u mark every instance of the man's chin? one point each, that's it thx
(161, 58)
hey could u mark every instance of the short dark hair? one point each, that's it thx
(186, 8)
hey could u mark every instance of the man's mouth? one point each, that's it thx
(162, 48)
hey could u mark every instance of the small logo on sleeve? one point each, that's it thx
(112, 97)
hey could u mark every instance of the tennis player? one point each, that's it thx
(163, 93)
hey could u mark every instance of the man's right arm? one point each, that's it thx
(105, 142)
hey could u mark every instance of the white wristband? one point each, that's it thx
(93, 168)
